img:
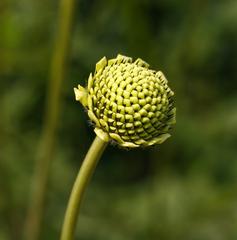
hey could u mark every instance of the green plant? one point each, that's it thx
(45, 151)
(130, 105)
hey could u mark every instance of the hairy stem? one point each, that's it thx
(52, 109)
(83, 177)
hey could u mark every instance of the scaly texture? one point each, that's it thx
(128, 102)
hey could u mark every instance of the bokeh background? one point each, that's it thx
(185, 188)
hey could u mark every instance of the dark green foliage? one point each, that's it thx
(182, 189)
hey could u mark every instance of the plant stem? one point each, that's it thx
(83, 177)
(47, 140)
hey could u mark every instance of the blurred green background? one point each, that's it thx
(185, 188)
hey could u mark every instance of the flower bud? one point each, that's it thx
(128, 102)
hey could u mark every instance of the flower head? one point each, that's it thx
(128, 102)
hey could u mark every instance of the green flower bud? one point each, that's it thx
(128, 102)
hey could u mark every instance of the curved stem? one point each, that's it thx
(83, 177)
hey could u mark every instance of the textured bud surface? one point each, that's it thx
(128, 102)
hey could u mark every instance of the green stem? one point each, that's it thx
(83, 177)
(48, 136)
